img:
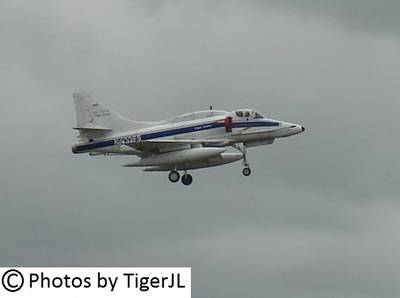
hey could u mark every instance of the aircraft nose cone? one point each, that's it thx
(303, 128)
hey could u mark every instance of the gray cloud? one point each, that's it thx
(319, 216)
(374, 16)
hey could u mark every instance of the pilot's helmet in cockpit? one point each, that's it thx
(249, 114)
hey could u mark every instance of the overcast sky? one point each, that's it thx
(319, 217)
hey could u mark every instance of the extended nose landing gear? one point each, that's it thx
(246, 171)
(242, 148)
(174, 176)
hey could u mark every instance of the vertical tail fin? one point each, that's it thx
(95, 120)
(90, 114)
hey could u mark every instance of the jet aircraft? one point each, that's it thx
(180, 143)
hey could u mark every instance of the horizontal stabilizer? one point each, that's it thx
(93, 128)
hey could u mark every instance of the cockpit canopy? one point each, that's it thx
(247, 113)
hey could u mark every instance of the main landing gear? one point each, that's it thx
(187, 179)
(246, 170)
(174, 176)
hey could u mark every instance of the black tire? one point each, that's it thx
(246, 171)
(187, 179)
(174, 176)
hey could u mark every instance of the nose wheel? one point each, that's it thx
(247, 171)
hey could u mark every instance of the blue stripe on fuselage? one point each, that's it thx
(177, 131)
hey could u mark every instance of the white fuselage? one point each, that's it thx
(201, 125)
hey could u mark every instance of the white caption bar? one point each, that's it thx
(95, 282)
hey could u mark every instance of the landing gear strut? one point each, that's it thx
(246, 170)
(174, 176)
